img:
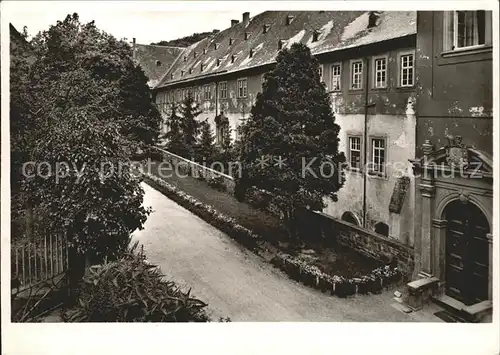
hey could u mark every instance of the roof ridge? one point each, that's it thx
(158, 45)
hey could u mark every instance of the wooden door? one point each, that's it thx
(467, 254)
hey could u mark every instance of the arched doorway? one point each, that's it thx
(467, 252)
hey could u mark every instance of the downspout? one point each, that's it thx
(365, 137)
(216, 97)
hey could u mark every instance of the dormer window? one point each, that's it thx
(247, 35)
(190, 70)
(158, 63)
(182, 73)
(202, 66)
(251, 52)
(185, 58)
(265, 28)
(216, 45)
(280, 44)
(219, 62)
(231, 41)
(315, 36)
(195, 54)
(289, 19)
(171, 75)
(233, 58)
(204, 51)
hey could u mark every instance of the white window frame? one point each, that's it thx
(223, 89)
(339, 76)
(450, 31)
(244, 88)
(401, 69)
(350, 138)
(376, 71)
(320, 72)
(374, 167)
(361, 73)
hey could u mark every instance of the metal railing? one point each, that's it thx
(36, 261)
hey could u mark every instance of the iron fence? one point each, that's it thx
(38, 260)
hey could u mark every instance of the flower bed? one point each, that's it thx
(208, 213)
(340, 286)
(296, 268)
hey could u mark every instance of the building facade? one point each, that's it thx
(367, 62)
(454, 169)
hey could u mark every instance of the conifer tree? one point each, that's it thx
(175, 135)
(290, 142)
(189, 110)
(205, 149)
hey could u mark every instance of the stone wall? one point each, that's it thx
(366, 242)
(186, 166)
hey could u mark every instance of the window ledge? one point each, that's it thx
(377, 175)
(385, 88)
(484, 48)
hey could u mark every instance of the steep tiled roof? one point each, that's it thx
(155, 60)
(335, 30)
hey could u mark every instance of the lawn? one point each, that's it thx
(338, 260)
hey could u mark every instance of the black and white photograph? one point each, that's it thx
(168, 162)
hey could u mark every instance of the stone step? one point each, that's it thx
(473, 313)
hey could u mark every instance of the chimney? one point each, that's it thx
(234, 22)
(133, 48)
(246, 18)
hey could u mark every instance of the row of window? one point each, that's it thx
(380, 73)
(380, 78)
(207, 92)
(376, 155)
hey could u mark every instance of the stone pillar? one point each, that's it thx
(427, 192)
(490, 266)
(439, 248)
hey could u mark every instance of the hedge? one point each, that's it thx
(296, 268)
(222, 222)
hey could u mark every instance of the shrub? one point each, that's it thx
(258, 198)
(132, 290)
(217, 182)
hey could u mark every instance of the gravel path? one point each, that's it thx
(235, 282)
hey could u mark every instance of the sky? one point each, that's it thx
(152, 22)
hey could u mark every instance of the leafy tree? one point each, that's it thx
(292, 123)
(67, 49)
(205, 149)
(79, 111)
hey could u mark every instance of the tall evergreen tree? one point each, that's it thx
(290, 142)
(175, 134)
(205, 149)
(189, 111)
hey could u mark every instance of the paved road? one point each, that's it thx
(235, 282)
